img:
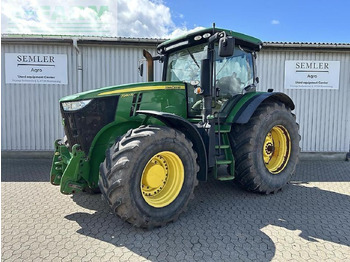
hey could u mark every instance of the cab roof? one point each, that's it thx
(243, 40)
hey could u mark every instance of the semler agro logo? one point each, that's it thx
(312, 68)
(312, 65)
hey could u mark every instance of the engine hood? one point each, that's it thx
(123, 89)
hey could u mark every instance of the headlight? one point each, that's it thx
(75, 105)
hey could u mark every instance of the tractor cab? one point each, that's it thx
(233, 75)
(230, 73)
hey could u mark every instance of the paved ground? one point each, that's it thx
(308, 220)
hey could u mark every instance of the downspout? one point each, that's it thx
(79, 65)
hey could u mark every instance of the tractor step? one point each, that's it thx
(225, 178)
(224, 162)
(222, 147)
(223, 129)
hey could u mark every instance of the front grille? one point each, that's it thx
(81, 126)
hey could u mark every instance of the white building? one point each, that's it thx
(30, 118)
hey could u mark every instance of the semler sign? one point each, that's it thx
(36, 69)
(311, 74)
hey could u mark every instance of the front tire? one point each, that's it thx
(149, 175)
(266, 149)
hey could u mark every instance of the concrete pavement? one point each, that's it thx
(307, 221)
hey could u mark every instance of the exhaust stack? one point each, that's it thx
(149, 58)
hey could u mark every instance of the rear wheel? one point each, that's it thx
(266, 149)
(149, 175)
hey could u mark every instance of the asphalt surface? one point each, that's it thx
(308, 221)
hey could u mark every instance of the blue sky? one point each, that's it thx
(269, 20)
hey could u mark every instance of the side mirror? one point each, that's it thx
(140, 68)
(226, 46)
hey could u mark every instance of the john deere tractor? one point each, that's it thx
(145, 146)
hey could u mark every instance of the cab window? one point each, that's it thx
(234, 73)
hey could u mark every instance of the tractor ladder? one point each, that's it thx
(224, 155)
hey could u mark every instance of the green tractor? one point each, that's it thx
(145, 146)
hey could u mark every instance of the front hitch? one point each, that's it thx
(59, 162)
(69, 169)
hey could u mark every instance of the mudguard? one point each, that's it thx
(247, 109)
(190, 132)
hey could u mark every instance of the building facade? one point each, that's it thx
(30, 118)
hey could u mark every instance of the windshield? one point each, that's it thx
(233, 73)
(184, 65)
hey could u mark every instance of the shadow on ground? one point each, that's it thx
(225, 223)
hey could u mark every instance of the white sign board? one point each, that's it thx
(36, 69)
(311, 74)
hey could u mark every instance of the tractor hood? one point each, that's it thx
(123, 89)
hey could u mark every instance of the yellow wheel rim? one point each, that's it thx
(276, 149)
(162, 179)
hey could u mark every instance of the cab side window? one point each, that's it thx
(234, 73)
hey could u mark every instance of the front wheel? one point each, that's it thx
(149, 175)
(266, 149)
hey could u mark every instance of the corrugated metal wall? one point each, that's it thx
(30, 118)
(323, 115)
(108, 65)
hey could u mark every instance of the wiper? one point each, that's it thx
(249, 87)
(222, 67)
(194, 59)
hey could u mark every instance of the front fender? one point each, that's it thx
(104, 139)
(190, 132)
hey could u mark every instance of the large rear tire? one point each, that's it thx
(149, 176)
(266, 149)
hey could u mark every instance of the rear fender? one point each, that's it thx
(190, 132)
(247, 105)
